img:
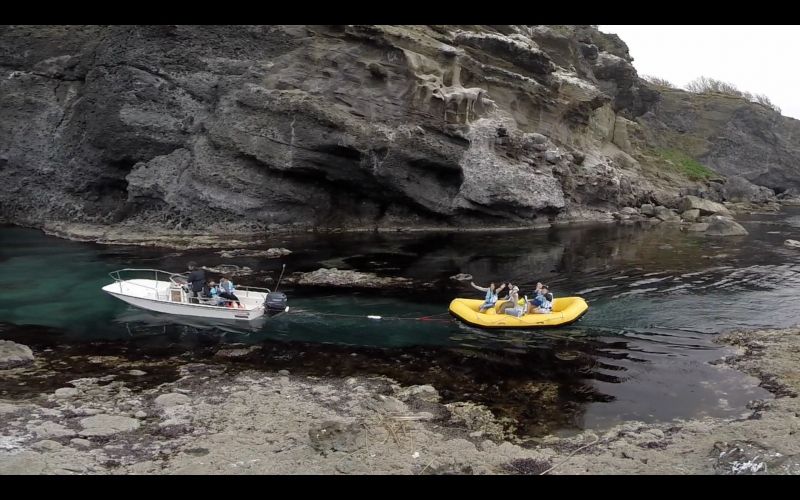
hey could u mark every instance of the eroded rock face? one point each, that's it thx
(229, 129)
(731, 136)
(739, 189)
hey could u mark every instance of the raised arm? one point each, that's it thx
(500, 289)
(476, 287)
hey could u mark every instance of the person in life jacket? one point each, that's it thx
(543, 302)
(226, 291)
(213, 293)
(491, 295)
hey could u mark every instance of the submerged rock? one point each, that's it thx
(270, 253)
(336, 277)
(792, 243)
(230, 270)
(461, 277)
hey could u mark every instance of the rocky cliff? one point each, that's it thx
(251, 128)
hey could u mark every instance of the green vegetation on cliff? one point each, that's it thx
(685, 164)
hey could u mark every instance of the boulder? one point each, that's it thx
(690, 215)
(647, 209)
(552, 156)
(81, 443)
(629, 211)
(51, 430)
(537, 138)
(739, 189)
(66, 392)
(666, 215)
(706, 207)
(420, 392)
(107, 425)
(13, 354)
(171, 399)
(721, 226)
(46, 445)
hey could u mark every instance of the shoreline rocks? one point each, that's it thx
(13, 355)
(247, 421)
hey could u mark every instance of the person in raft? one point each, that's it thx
(491, 295)
(511, 304)
(543, 302)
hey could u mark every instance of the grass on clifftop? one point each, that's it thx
(685, 164)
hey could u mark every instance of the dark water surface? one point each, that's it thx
(657, 296)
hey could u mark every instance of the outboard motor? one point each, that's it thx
(275, 303)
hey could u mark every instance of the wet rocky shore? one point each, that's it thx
(91, 409)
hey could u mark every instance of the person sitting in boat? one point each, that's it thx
(196, 281)
(543, 302)
(510, 301)
(214, 294)
(226, 290)
(491, 295)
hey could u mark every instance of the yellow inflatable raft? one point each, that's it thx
(566, 310)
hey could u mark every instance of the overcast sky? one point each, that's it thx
(757, 59)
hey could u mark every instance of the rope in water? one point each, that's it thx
(432, 317)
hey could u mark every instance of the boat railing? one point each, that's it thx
(169, 277)
(158, 274)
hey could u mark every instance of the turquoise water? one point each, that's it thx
(657, 296)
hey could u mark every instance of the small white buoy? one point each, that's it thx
(374, 317)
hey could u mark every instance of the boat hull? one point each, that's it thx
(566, 311)
(155, 300)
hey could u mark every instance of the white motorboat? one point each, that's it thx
(168, 293)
